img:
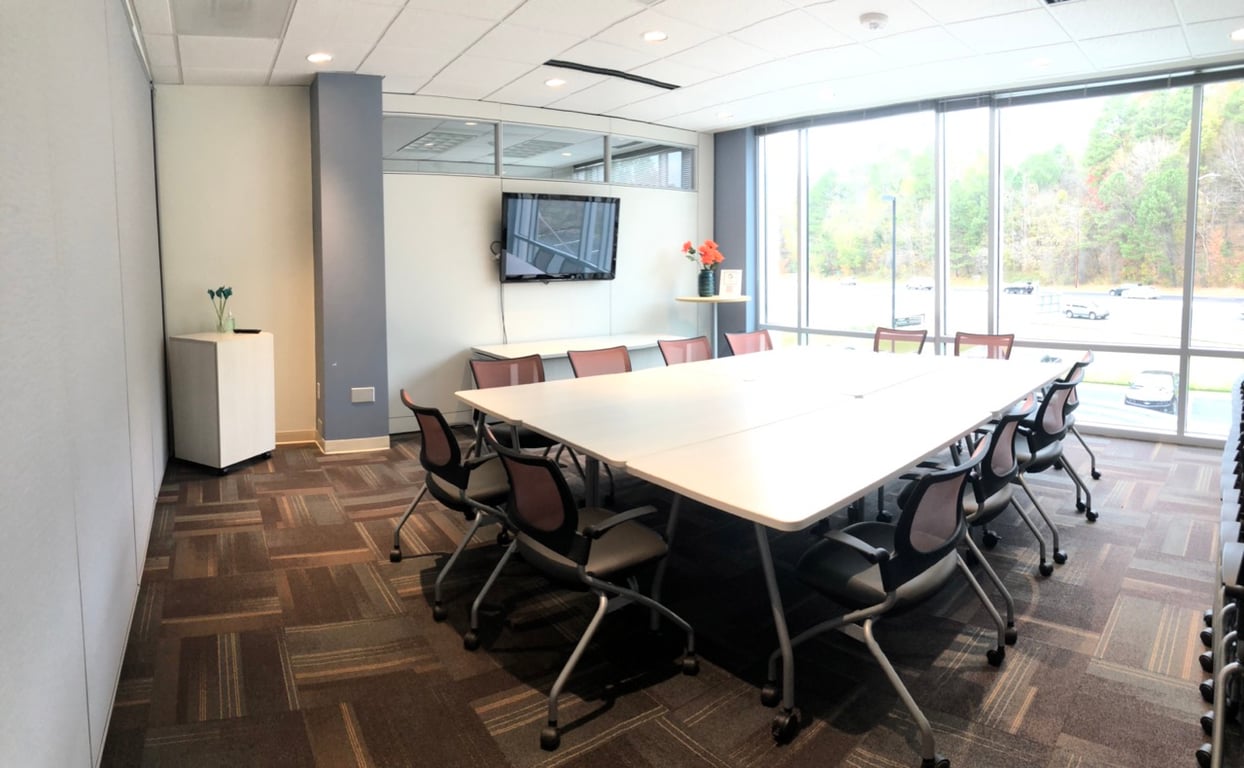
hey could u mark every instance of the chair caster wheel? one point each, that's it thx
(470, 641)
(1090, 515)
(1203, 753)
(785, 726)
(1060, 556)
(935, 762)
(1207, 723)
(885, 517)
(439, 613)
(990, 539)
(503, 539)
(1207, 661)
(1208, 617)
(1011, 635)
(1080, 506)
(770, 695)
(995, 656)
(690, 666)
(1207, 638)
(1045, 569)
(1096, 475)
(550, 739)
(395, 556)
(1207, 690)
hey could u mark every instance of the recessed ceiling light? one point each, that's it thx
(872, 21)
(555, 82)
(1040, 63)
(470, 122)
(655, 36)
(1238, 35)
(320, 58)
(725, 115)
(565, 154)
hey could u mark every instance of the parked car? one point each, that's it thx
(1025, 287)
(1083, 308)
(1121, 287)
(919, 283)
(1140, 292)
(1154, 389)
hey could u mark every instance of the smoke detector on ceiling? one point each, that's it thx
(873, 21)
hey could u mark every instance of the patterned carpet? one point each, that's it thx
(272, 630)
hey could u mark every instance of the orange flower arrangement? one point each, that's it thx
(706, 255)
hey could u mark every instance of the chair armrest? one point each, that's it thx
(474, 461)
(870, 553)
(598, 530)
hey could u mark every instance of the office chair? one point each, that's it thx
(898, 340)
(585, 549)
(596, 362)
(1043, 448)
(871, 568)
(1073, 402)
(506, 373)
(745, 343)
(995, 346)
(677, 351)
(475, 487)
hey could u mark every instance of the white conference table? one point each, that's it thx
(781, 438)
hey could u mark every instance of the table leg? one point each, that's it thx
(779, 618)
(591, 481)
(715, 306)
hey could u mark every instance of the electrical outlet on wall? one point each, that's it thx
(362, 394)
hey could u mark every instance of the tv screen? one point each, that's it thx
(558, 237)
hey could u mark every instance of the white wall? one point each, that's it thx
(83, 403)
(235, 209)
(443, 294)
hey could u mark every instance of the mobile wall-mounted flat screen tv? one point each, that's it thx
(558, 237)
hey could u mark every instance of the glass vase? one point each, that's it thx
(708, 282)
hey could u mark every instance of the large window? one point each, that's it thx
(1065, 222)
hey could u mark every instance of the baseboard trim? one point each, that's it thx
(353, 444)
(295, 436)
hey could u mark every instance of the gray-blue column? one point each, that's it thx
(351, 351)
(734, 221)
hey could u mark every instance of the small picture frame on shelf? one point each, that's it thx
(731, 283)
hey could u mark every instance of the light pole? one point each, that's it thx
(893, 256)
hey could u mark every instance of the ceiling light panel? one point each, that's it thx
(230, 18)
(433, 143)
(722, 16)
(628, 33)
(1101, 19)
(346, 28)
(794, 32)
(1213, 38)
(1194, 11)
(1009, 32)
(1119, 51)
(154, 16)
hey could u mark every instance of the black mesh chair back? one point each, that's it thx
(1001, 463)
(439, 453)
(996, 346)
(1050, 424)
(597, 362)
(677, 351)
(507, 373)
(541, 505)
(899, 340)
(746, 343)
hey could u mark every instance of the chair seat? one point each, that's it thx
(1042, 459)
(619, 550)
(487, 485)
(979, 513)
(843, 574)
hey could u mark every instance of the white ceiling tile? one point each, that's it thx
(607, 95)
(481, 9)
(654, 110)
(166, 75)
(951, 11)
(473, 77)
(610, 56)
(161, 50)
(291, 78)
(416, 63)
(224, 54)
(722, 55)
(210, 76)
(396, 84)
(1213, 38)
(1192, 11)
(723, 15)
(629, 33)
(844, 61)
(531, 45)
(1120, 51)
(1114, 17)
(530, 90)
(154, 17)
(213, 18)
(446, 32)
(918, 47)
(584, 19)
(1042, 64)
(348, 29)
(844, 16)
(1010, 32)
(794, 32)
(669, 71)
